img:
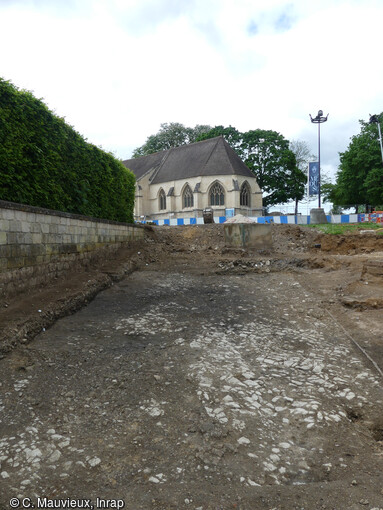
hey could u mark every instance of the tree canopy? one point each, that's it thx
(170, 135)
(268, 156)
(230, 134)
(360, 176)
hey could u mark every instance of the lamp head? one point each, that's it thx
(320, 113)
(374, 119)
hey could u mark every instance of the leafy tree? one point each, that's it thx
(328, 191)
(374, 186)
(360, 175)
(170, 135)
(268, 156)
(230, 134)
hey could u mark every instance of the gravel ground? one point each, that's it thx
(208, 379)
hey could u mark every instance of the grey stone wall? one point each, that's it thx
(248, 235)
(38, 244)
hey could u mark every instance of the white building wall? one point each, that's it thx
(147, 202)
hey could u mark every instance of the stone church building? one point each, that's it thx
(182, 181)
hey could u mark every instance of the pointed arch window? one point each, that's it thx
(187, 198)
(162, 200)
(245, 194)
(217, 194)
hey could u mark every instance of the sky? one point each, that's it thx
(117, 69)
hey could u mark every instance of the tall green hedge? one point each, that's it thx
(44, 162)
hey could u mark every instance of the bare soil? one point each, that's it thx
(201, 377)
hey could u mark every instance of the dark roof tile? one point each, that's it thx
(209, 157)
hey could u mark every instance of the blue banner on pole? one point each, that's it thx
(314, 178)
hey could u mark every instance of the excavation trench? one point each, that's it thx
(204, 379)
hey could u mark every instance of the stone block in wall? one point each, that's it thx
(26, 226)
(8, 214)
(67, 248)
(55, 239)
(15, 226)
(3, 237)
(24, 238)
(31, 217)
(63, 221)
(35, 228)
(15, 262)
(11, 237)
(37, 238)
(22, 215)
(44, 228)
(6, 250)
(51, 249)
(45, 238)
(45, 218)
(4, 225)
(36, 249)
(19, 250)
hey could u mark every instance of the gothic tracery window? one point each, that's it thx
(245, 195)
(188, 200)
(162, 200)
(217, 195)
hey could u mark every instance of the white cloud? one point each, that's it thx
(117, 69)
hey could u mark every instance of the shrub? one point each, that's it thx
(44, 162)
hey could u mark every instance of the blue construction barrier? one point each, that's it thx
(292, 220)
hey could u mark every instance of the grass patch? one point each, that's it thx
(343, 228)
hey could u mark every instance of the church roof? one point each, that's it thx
(209, 157)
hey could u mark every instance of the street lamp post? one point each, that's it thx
(319, 119)
(374, 119)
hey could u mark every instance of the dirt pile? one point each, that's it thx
(352, 244)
